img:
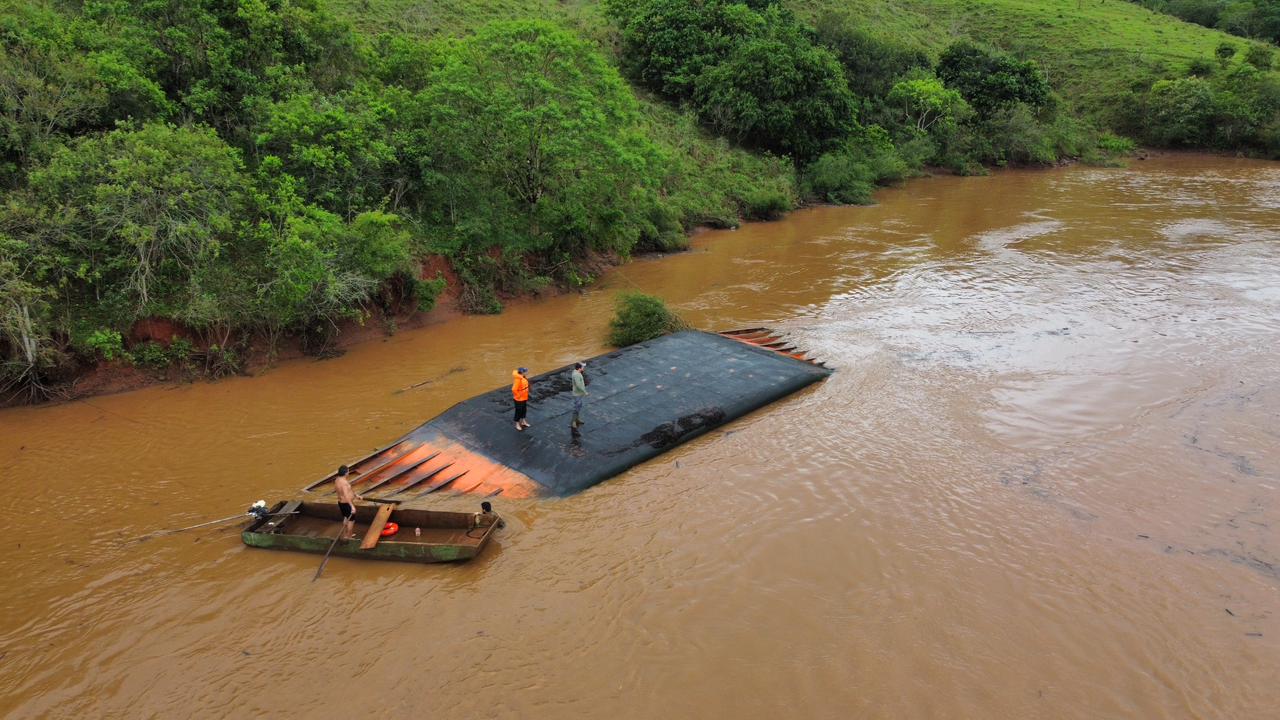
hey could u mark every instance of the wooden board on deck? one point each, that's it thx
(375, 528)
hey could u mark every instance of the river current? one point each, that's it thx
(1042, 483)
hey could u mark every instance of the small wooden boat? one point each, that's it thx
(424, 536)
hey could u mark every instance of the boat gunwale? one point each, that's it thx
(473, 544)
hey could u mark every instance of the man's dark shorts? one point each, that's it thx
(347, 511)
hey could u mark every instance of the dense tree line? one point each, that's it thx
(1258, 19)
(852, 108)
(1230, 101)
(256, 167)
(1231, 109)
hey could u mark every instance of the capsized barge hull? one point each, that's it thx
(643, 401)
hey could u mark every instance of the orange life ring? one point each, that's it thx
(389, 529)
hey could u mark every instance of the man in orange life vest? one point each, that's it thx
(520, 393)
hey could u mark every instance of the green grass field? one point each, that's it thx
(430, 17)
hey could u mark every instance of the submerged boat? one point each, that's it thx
(643, 401)
(423, 536)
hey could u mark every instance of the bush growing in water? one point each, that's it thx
(641, 317)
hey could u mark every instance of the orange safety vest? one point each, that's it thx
(519, 388)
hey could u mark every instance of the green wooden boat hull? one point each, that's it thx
(311, 527)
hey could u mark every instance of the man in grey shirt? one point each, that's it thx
(579, 392)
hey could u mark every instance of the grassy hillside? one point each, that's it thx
(1092, 50)
(453, 16)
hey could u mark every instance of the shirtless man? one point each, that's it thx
(346, 501)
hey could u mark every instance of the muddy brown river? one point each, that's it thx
(1041, 484)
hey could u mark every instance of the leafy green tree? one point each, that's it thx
(779, 92)
(1246, 18)
(340, 146)
(873, 62)
(59, 76)
(1015, 136)
(1200, 12)
(924, 101)
(402, 61)
(1181, 112)
(1269, 21)
(756, 77)
(533, 142)
(312, 267)
(143, 209)
(26, 343)
(380, 245)
(1240, 18)
(667, 44)
(1246, 99)
(221, 59)
(309, 282)
(989, 80)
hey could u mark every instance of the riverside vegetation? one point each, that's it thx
(267, 169)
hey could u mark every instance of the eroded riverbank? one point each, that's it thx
(1042, 483)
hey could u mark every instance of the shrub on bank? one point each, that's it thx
(766, 205)
(850, 173)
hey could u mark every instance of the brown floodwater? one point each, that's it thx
(1041, 484)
